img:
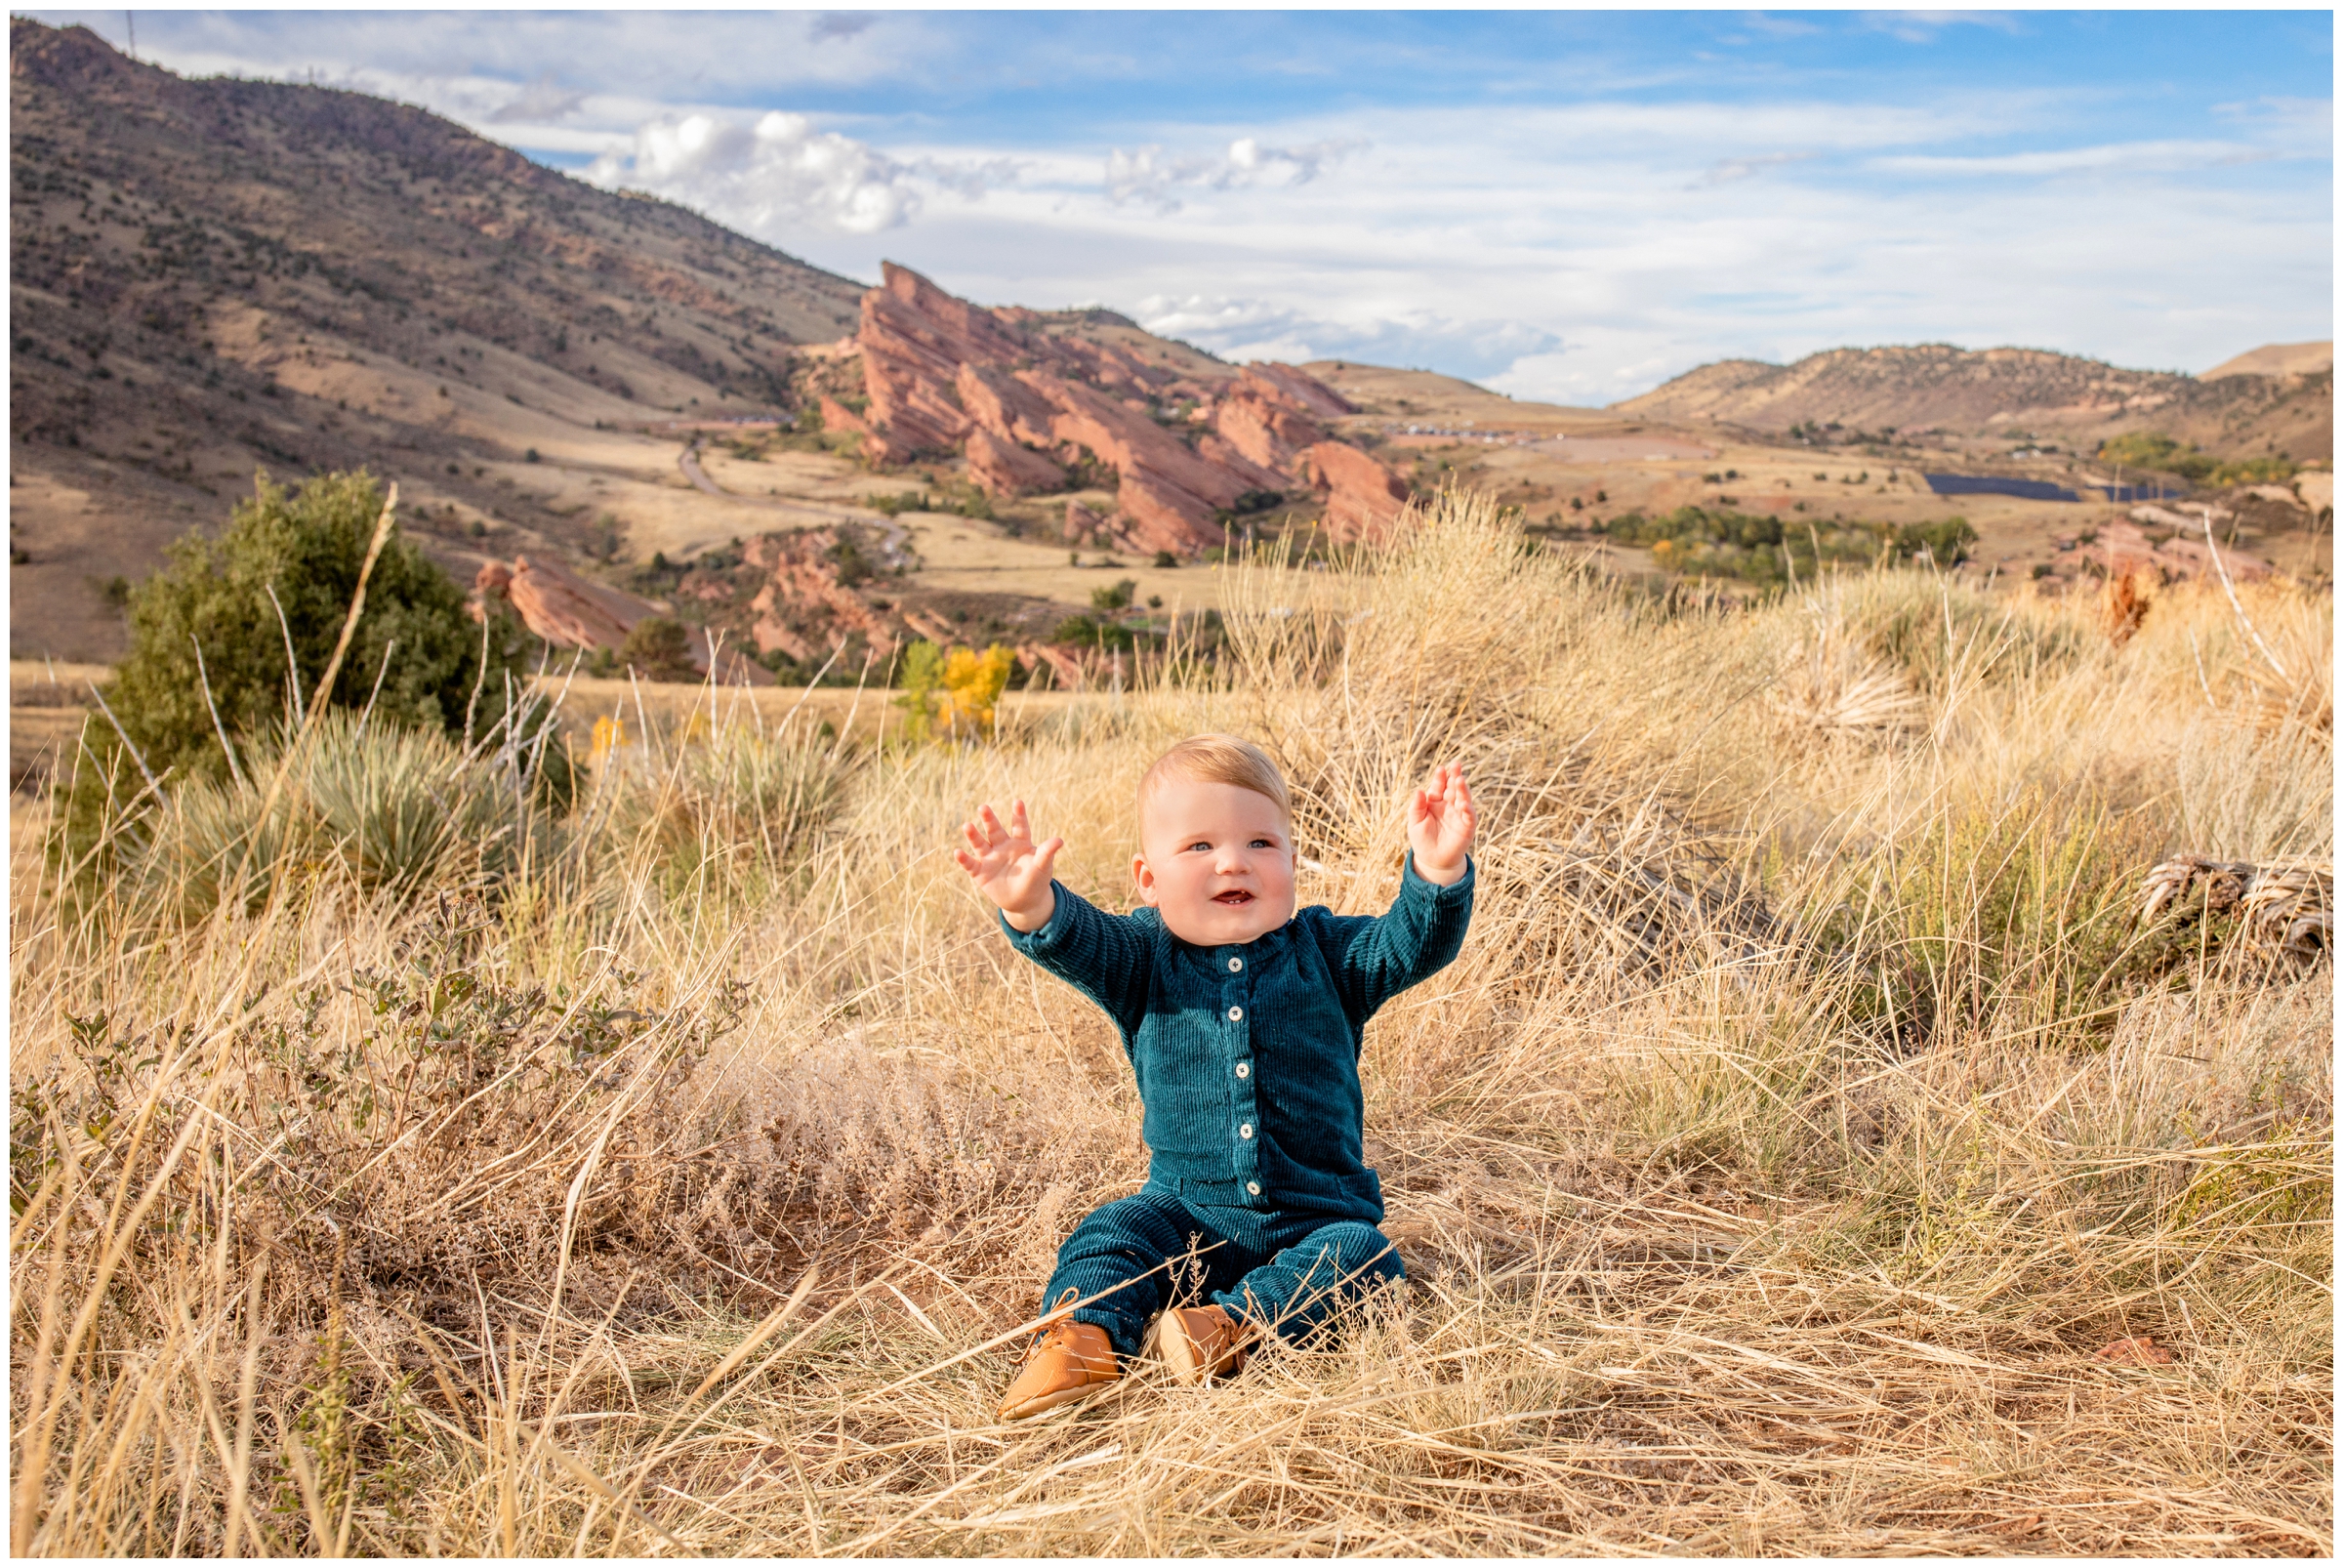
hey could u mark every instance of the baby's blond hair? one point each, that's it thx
(1219, 759)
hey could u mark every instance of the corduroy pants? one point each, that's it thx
(1153, 1250)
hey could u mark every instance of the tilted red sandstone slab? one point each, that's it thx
(915, 337)
(1064, 669)
(570, 612)
(997, 401)
(563, 610)
(1268, 431)
(1362, 497)
(1221, 450)
(941, 372)
(1305, 393)
(837, 416)
(1003, 467)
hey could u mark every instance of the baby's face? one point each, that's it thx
(1216, 860)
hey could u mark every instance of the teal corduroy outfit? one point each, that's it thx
(1247, 1056)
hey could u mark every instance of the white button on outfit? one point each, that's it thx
(1245, 1131)
(1244, 1069)
(1235, 964)
(1253, 1187)
(1235, 1015)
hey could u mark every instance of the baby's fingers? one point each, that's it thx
(1034, 864)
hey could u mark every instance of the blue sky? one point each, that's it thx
(1570, 205)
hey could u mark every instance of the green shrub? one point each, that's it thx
(894, 505)
(738, 801)
(921, 676)
(308, 546)
(415, 660)
(1116, 598)
(1928, 631)
(1719, 542)
(657, 647)
(2018, 910)
(1089, 631)
(2162, 454)
(395, 811)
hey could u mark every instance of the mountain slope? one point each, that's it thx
(211, 275)
(2277, 359)
(1935, 386)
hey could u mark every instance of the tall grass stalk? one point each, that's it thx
(1805, 1112)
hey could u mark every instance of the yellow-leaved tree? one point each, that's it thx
(974, 682)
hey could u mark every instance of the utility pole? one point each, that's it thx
(131, 28)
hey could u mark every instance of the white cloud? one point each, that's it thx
(2164, 156)
(1243, 329)
(1149, 178)
(1731, 170)
(1922, 26)
(1779, 26)
(544, 102)
(771, 179)
(1558, 253)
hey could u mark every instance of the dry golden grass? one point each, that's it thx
(1805, 1111)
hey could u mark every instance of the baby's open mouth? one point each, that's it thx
(1233, 898)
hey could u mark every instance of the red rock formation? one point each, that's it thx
(1169, 492)
(1218, 449)
(1305, 393)
(1063, 666)
(563, 610)
(2123, 548)
(1003, 467)
(934, 627)
(1084, 526)
(944, 373)
(570, 612)
(915, 337)
(1266, 430)
(803, 608)
(996, 399)
(837, 416)
(490, 582)
(1363, 498)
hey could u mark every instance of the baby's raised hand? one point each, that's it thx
(1010, 868)
(1440, 822)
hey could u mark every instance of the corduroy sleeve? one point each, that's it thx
(1376, 957)
(1105, 957)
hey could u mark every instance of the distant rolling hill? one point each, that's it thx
(212, 275)
(2277, 359)
(2242, 412)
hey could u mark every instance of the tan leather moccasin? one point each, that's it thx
(1196, 1342)
(1066, 1361)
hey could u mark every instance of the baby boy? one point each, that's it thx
(1242, 1020)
